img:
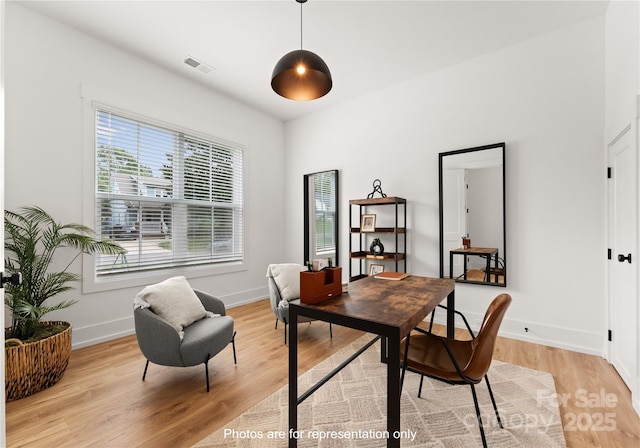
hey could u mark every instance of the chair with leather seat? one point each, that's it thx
(456, 361)
(181, 327)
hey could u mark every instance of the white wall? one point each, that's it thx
(622, 66)
(545, 99)
(47, 65)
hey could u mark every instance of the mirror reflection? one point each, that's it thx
(472, 215)
(321, 216)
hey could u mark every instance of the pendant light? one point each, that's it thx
(301, 75)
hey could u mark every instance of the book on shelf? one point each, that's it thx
(392, 275)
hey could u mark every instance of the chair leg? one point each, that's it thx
(206, 372)
(475, 402)
(276, 323)
(285, 333)
(330, 331)
(233, 344)
(420, 388)
(495, 407)
(146, 366)
(404, 361)
(433, 314)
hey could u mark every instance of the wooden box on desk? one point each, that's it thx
(321, 285)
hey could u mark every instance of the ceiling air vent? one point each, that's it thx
(199, 65)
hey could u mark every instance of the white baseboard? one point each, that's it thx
(118, 328)
(102, 332)
(565, 338)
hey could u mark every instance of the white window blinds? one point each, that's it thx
(169, 198)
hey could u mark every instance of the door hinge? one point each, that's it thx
(609, 172)
(609, 335)
(608, 254)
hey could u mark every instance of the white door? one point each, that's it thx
(454, 216)
(623, 266)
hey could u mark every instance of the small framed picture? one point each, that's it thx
(368, 223)
(376, 269)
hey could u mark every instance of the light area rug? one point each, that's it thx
(350, 410)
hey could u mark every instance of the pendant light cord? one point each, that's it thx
(301, 26)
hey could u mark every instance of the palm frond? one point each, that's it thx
(32, 240)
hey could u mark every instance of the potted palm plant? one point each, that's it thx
(42, 250)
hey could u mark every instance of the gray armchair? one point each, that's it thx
(161, 344)
(284, 286)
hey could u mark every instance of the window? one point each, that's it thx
(168, 197)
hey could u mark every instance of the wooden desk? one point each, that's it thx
(487, 252)
(390, 309)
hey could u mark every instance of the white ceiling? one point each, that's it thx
(368, 45)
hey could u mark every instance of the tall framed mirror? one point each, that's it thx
(472, 215)
(321, 216)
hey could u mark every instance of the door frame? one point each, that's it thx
(634, 128)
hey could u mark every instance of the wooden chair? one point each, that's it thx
(457, 361)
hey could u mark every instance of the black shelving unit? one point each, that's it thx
(359, 241)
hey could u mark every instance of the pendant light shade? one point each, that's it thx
(301, 75)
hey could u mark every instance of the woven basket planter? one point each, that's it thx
(34, 366)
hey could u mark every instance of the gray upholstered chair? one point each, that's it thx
(284, 286)
(201, 340)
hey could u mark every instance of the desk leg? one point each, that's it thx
(293, 378)
(383, 350)
(450, 265)
(464, 263)
(393, 391)
(451, 316)
(488, 279)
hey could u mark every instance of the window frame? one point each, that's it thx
(91, 282)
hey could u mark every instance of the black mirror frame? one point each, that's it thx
(504, 214)
(336, 236)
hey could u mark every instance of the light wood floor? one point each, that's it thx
(102, 402)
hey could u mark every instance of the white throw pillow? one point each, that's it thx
(174, 301)
(287, 277)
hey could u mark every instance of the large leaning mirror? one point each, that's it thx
(321, 216)
(472, 215)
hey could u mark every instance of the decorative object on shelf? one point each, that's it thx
(375, 269)
(466, 242)
(368, 223)
(330, 262)
(377, 188)
(309, 266)
(301, 75)
(376, 247)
